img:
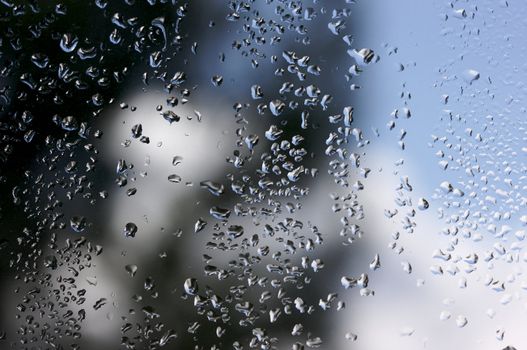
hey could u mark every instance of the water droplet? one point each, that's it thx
(422, 204)
(191, 286)
(130, 229)
(213, 187)
(199, 225)
(69, 42)
(78, 223)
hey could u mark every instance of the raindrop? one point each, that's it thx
(69, 42)
(191, 286)
(422, 204)
(78, 223)
(130, 229)
(131, 269)
(215, 188)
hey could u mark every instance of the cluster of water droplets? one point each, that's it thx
(253, 269)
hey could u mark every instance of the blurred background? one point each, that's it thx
(262, 174)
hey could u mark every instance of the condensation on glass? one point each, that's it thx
(267, 174)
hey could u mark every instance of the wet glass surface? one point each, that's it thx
(267, 174)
